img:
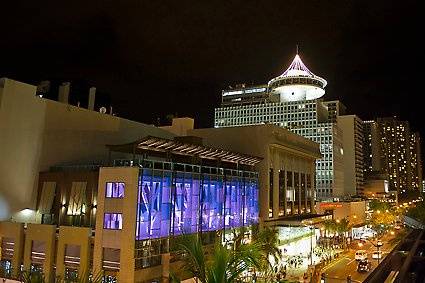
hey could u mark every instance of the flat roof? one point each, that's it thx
(156, 144)
(298, 220)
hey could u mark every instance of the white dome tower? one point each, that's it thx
(298, 83)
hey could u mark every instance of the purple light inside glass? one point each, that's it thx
(112, 221)
(114, 190)
(194, 203)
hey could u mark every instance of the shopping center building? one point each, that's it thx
(156, 190)
(118, 208)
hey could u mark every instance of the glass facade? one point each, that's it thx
(176, 198)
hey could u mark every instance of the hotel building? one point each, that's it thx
(293, 101)
(391, 148)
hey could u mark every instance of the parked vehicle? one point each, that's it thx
(377, 255)
(360, 255)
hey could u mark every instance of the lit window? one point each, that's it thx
(114, 190)
(112, 221)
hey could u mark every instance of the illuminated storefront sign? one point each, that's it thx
(330, 205)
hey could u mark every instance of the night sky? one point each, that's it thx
(153, 58)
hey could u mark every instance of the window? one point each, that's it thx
(112, 221)
(114, 190)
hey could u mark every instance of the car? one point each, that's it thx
(363, 266)
(397, 227)
(377, 255)
(360, 255)
(379, 243)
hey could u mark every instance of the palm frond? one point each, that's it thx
(195, 261)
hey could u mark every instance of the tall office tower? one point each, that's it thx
(335, 109)
(291, 100)
(392, 149)
(352, 129)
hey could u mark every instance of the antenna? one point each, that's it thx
(297, 49)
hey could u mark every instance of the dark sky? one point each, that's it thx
(157, 57)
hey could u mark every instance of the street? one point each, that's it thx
(338, 270)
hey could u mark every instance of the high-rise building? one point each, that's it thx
(391, 148)
(335, 109)
(352, 129)
(415, 176)
(293, 101)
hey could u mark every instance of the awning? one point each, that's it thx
(156, 144)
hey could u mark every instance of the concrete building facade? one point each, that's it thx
(353, 140)
(38, 133)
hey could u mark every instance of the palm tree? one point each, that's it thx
(342, 227)
(268, 240)
(329, 226)
(222, 265)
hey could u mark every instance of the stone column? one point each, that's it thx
(305, 190)
(293, 191)
(299, 192)
(312, 190)
(276, 168)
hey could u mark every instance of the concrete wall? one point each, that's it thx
(353, 153)
(22, 116)
(46, 234)
(55, 246)
(37, 133)
(338, 162)
(118, 239)
(77, 236)
(180, 126)
(354, 211)
(14, 232)
(346, 124)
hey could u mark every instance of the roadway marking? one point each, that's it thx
(335, 262)
(351, 261)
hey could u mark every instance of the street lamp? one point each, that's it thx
(311, 243)
(377, 246)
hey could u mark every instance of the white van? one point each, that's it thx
(360, 255)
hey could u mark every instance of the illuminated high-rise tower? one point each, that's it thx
(292, 100)
(297, 83)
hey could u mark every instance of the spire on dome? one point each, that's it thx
(297, 68)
